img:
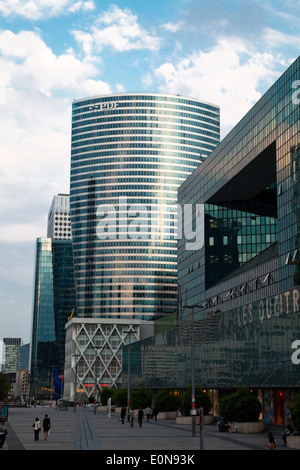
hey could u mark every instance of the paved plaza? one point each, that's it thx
(84, 430)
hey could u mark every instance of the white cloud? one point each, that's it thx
(229, 76)
(118, 29)
(276, 38)
(36, 9)
(147, 79)
(35, 128)
(86, 6)
(27, 63)
(172, 27)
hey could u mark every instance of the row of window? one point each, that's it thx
(132, 98)
(117, 245)
(155, 278)
(152, 310)
(154, 122)
(139, 149)
(127, 297)
(110, 193)
(162, 134)
(97, 267)
(135, 162)
(143, 108)
(117, 172)
(247, 240)
(117, 183)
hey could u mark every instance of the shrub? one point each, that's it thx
(5, 386)
(295, 412)
(105, 395)
(141, 397)
(201, 400)
(240, 406)
(164, 401)
(119, 397)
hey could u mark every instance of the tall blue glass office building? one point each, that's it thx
(54, 300)
(129, 154)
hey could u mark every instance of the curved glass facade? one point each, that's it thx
(130, 153)
(54, 299)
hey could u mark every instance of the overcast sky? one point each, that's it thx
(53, 51)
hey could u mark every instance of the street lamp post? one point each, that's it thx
(95, 396)
(193, 410)
(62, 380)
(75, 378)
(129, 372)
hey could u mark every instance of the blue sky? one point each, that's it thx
(51, 52)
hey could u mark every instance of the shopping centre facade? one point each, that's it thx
(238, 277)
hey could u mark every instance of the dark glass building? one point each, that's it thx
(54, 300)
(238, 272)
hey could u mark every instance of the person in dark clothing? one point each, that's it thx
(289, 431)
(140, 416)
(123, 414)
(155, 413)
(272, 442)
(46, 427)
(222, 424)
(3, 432)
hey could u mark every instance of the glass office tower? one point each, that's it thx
(11, 348)
(130, 153)
(54, 300)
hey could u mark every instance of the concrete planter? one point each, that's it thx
(116, 409)
(207, 419)
(293, 442)
(167, 415)
(248, 428)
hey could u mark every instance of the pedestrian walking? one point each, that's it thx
(3, 432)
(46, 427)
(123, 414)
(140, 416)
(289, 431)
(155, 413)
(272, 442)
(148, 411)
(36, 428)
(131, 414)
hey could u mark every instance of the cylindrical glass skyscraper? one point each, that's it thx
(130, 153)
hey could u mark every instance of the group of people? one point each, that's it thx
(140, 415)
(37, 428)
(289, 431)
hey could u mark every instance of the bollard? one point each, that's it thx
(201, 428)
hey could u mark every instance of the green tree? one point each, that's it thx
(141, 397)
(106, 394)
(240, 406)
(164, 401)
(202, 400)
(5, 386)
(119, 397)
(295, 412)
